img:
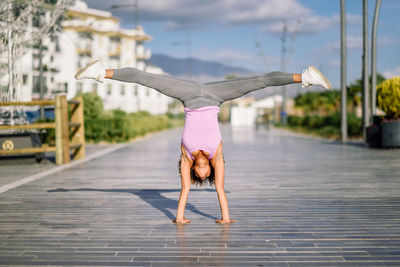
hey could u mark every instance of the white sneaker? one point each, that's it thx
(312, 76)
(93, 70)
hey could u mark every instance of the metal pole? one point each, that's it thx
(189, 47)
(365, 98)
(41, 89)
(284, 94)
(10, 93)
(373, 57)
(136, 7)
(343, 68)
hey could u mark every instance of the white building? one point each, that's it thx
(246, 114)
(90, 34)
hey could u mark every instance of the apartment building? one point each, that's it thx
(88, 34)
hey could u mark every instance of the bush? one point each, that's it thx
(313, 121)
(47, 136)
(295, 120)
(333, 120)
(119, 126)
(354, 125)
(329, 131)
(93, 106)
(327, 126)
(388, 93)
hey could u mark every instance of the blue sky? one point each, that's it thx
(227, 31)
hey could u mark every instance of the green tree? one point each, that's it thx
(354, 91)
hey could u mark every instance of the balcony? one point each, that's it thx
(115, 51)
(142, 53)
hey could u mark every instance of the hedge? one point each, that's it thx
(327, 125)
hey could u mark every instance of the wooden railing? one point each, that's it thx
(70, 135)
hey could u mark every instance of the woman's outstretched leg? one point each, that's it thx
(231, 89)
(170, 86)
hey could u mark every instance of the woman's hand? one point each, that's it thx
(222, 221)
(183, 221)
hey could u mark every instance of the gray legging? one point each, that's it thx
(194, 95)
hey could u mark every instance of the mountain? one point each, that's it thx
(201, 70)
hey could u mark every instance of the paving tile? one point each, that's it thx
(298, 201)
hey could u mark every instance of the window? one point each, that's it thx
(147, 91)
(122, 89)
(109, 89)
(36, 85)
(94, 88)
(135, 90)
(24, 78)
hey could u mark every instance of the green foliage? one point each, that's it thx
(322, 109)
(47, 136)
(355, 88)
(354, 125)
(93, 106)
(119, 126)
(318, 102)
(328, 126)
(230, 76)
(388, 94)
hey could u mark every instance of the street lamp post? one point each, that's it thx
(365, 78)
(373, 57)
(343, 70)
(283, 68)
(136, 10)
(135, 6)
(188, 45)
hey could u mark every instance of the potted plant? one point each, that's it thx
(388, 95)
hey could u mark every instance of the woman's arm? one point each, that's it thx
(185, 188)
(219, 166)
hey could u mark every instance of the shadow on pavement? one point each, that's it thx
(152, 196)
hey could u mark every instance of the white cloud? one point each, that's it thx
(194, 14)
(352, 42)
(256, 11)
(391, 73)
(228, 56)
(356, 42)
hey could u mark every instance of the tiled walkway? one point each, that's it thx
(298, 201)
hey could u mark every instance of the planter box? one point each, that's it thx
(391, 134)
(374, 132)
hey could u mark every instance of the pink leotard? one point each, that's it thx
(201, 131)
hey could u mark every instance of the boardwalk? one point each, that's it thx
(298, 202)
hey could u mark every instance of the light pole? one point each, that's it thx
(188, 45)
(365, 78)
(373, 56)
(135, 6)
(136, 10)
(343, 70)
(283, 68)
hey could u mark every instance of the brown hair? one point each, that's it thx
(196, 180)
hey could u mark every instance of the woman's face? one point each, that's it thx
(202, 167)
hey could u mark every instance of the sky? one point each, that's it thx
(248, 33)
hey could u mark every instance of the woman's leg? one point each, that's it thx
(231, 89)
(166, 85)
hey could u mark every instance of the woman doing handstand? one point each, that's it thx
(201, 144)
